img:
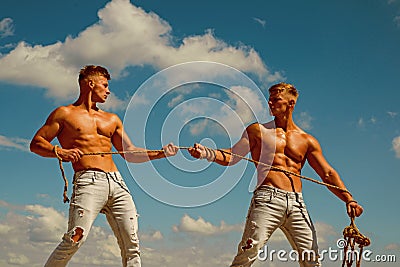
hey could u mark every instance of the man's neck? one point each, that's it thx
(285, 122)
(85, 102)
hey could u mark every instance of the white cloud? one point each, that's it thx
(46, 224)
(304, 120)
(260, 21)
(17, 259)
(6, 27)
(14, 143)
(392, 114)
(124, 36)
(34, 231)
(325, 232)
(396, 146)
(153, 236)
(202, 227)
(200, 243)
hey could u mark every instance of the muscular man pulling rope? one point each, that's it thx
(98, 186)
(279, 149)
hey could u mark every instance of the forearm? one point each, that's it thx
(334, 179)
(223, 157)
(140, 155)
(42, 147)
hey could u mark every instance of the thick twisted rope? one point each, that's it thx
(66, 199)
(353, 236)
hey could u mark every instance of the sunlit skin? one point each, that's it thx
(281, 143)
(82, 127)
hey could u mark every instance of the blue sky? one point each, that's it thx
(342, 56)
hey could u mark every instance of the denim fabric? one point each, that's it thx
(95, 192)
(273, 208)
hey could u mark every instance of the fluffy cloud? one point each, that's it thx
(202, 227)
(14, 143)
(124, 36)
(154, 236)
(194, 242)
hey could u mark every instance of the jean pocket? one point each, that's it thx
(263, 197)
(84, 179)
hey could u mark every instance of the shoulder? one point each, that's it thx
(312, 142)
(253, 126)
(111, 117)
(60, 113)
(253, 129)
(63, 110)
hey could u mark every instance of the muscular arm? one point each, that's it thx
(329, 175)
(224, 156)
(121, 141)
(41, 142)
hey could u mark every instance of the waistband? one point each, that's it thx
(79, 173)
(278, 191)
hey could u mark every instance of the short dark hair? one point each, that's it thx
(91, 70)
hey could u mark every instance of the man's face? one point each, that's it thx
(100, 90)
(278, 102)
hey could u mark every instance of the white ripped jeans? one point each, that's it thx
(273, 208)
(95, 192)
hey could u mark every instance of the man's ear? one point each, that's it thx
(292, 102)
(91, 83)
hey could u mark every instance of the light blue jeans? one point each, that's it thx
(95, 192)
(273, 208)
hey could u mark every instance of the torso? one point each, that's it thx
(90, 132)
(283, 149)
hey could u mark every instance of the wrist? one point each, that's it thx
(351, 201)
(210, 154)
(56, 152)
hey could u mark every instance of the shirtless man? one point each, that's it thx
(98, 186)
(278, 202)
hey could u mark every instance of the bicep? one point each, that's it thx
(317, 160)
(242, 147)
(50, 129)
(120, 139)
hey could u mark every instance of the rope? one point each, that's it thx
(66, 199)
(65, 193)
(353, 236)
(287, 172)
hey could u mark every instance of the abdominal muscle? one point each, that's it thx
(279, 179)
(91, 144)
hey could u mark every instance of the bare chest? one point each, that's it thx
(89, 125)
(292, 145)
